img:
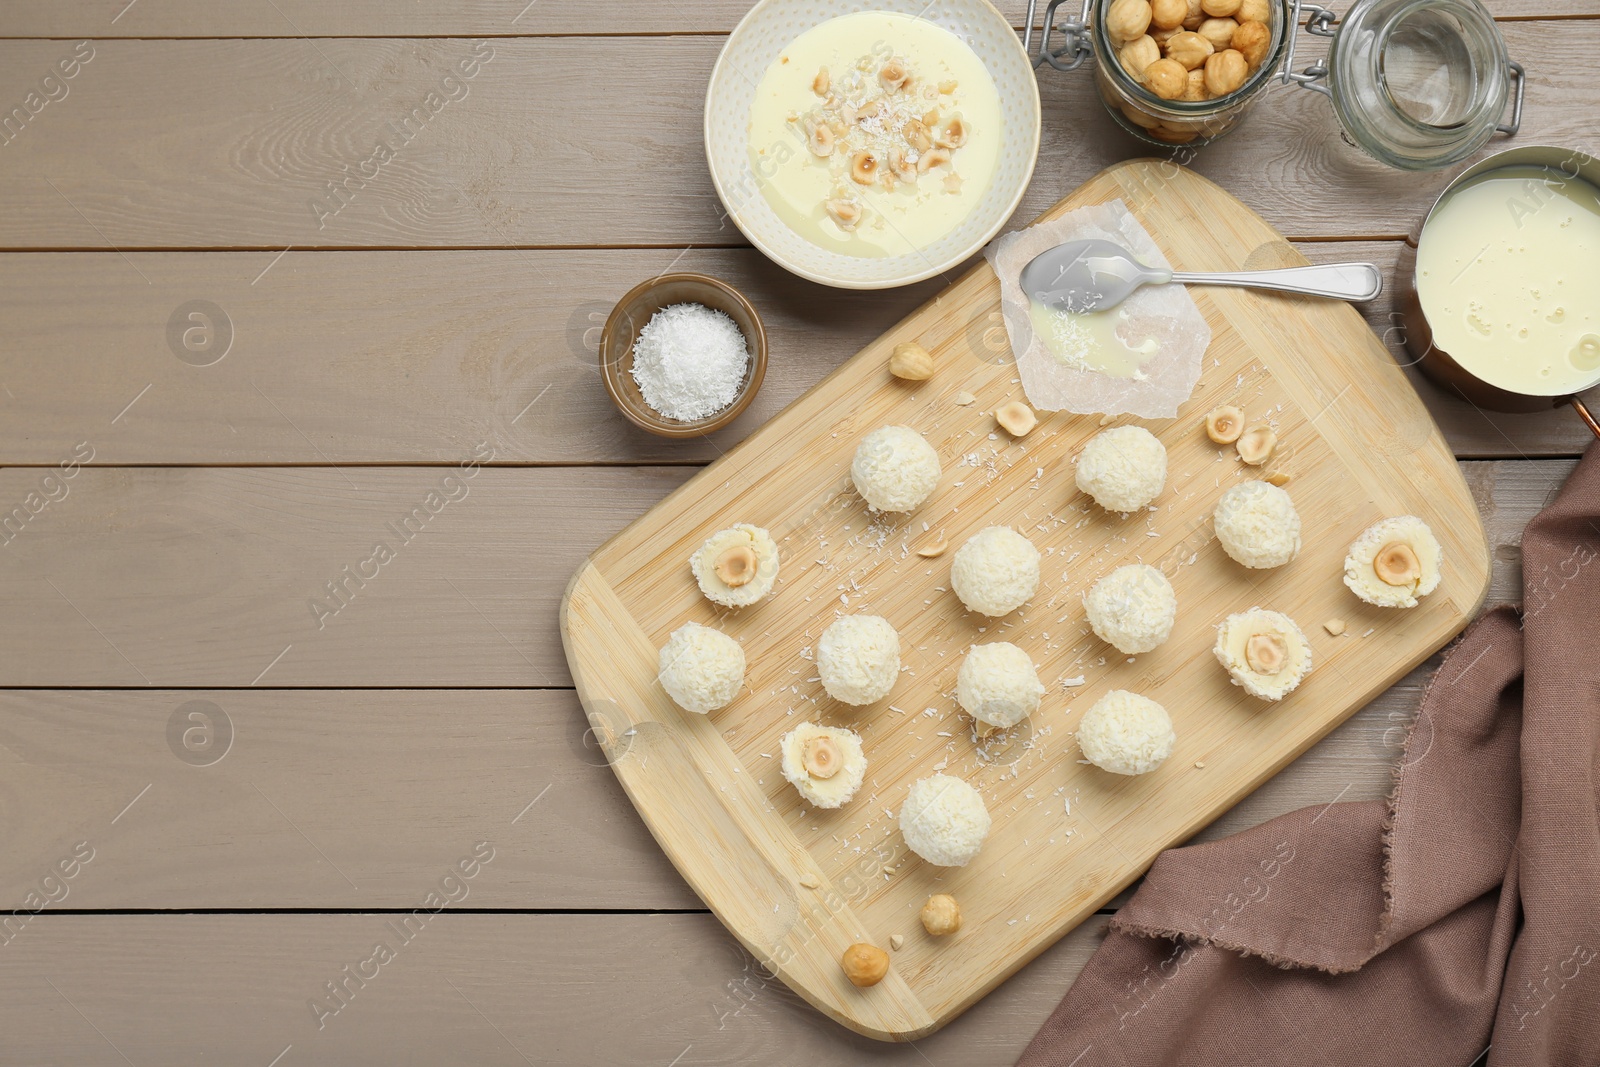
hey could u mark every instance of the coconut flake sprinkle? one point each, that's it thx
(690, 361)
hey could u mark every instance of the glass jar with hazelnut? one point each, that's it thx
(1417, 84)
(1184, 71)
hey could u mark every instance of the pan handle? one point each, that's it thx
(1586, 416)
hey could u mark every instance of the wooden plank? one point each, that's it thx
(415, 357)
(247, 142)
(219, 577)
(482, 989)
(392, 786)
(319, 799)
(461, 18)
(202, 577)
(736, 830)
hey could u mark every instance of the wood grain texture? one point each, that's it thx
(708, 786)
(390, 788)
(415, 357)
(238, 150)
(319, 799)
(216, 577)
(459, 18)
(201, 576)
(486, 990)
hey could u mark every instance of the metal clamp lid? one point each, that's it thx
(1323, 22)
(1077, 48)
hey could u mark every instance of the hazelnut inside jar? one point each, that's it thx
(1172, 72)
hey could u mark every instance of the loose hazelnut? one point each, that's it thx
(1225, 424)
(864, 964)
(1397, 564)
(1167, 79)
(1226, 70)
(963, 398)
(864, 168)
(896, 940)
(1255, 445)
(1218, 31)
(1168, 14)
(911, 361)
(894, 75)
(820, 757)
(820, 83)
(1127, 19)
(1334, 626)
(736, 565)
(1138, 54)
(820, 140)
(1173, 136)
(1277, 478)
(941, 915)
(1265, 653)
(846, 213)
(954, 135)
(1189, 48)
(1139, 118)
(934, 548)
(1016, 418)
(1251, 40)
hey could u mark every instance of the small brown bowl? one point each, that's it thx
(629, 317)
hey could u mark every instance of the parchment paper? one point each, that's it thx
(1164, 312)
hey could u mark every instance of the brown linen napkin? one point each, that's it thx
(1462, 914)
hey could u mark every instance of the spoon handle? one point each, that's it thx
(1342, 281)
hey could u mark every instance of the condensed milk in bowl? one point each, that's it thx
(1501, 283)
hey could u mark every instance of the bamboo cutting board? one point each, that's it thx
(797, 885)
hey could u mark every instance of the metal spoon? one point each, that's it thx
(1083, 276)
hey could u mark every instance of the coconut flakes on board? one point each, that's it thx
(1163, 312)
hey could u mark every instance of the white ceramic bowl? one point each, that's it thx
(762, 34)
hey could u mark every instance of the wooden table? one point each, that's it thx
(241, 347)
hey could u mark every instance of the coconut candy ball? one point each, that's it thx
(1123, 468)
(1133, 608)
(944, 820)
(895, 469)
(1125, 733)
(858, 658)
(1257, 525)
(996, 571)
(997, 684)
(736, 567)
(700, 668)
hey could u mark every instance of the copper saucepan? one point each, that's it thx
(1435, 362)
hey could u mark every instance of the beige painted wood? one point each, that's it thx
(463, 18)
(708, 785)
(390, 785)
(485, 990)
(202, 576)
(235, 152)
(350, 798)
(416, 356)
(194, 576)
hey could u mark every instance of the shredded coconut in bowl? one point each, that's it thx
(690, 361)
